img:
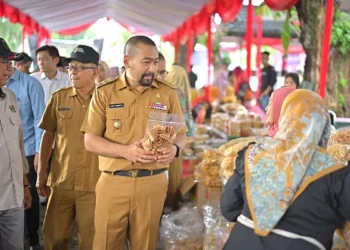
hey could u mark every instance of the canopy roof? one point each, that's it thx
(174, 20)
(271, 28)
(154, 16)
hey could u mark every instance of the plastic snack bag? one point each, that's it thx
(161, 131)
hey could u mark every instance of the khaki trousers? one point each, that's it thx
(175, 179)
(129, 206)
(62, 208)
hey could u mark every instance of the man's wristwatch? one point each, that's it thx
(27, 186)
(177, 151)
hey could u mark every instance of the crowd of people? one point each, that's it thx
(72, 134)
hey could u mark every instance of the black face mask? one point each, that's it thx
(146, 83)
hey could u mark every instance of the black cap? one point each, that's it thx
(83, 54)
(6, 53)
(60, 62)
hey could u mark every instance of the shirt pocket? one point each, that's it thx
(23, 100)
(64, 119)
(119, 122)
(14, 123)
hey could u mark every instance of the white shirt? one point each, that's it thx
(61, 80)
(13, 162)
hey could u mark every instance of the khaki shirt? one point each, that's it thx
(115, 102)
(72, 167)
(13, 162)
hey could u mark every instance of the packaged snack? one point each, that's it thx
(161, 130)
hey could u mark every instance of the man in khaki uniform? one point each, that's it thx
(74, 171)
(131, 191)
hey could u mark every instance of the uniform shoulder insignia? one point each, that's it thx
(164, 82)
(61, 89)
(108, 81)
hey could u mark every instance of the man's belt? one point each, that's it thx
(136, 172)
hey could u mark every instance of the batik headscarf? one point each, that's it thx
(278, 170)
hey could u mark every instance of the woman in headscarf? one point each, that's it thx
(244, 92)
(178, 78)
(103, 72)
(273, 109)
(288, 192)
(241, 84)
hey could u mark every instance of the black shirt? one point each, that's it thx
(269, 78)
(193, 78)
(323, 207)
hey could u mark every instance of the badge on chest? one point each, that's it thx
(63, 108)
(116, 105)
(158, 106)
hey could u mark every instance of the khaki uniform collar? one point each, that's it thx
(123, 83)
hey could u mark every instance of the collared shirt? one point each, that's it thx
(30, 97)
(13, 163)
(61, 80)
(72, 167)
(116, 103)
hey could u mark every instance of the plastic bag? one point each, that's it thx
(340, 152)
(161, 130)
(222, 232)
(207, 171)
(210, 217)
(217, 228)
(182, 230)
(342, 136)
(232, 143)
(227, 167)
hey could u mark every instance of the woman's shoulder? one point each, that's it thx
(239, 162)
(340, 174)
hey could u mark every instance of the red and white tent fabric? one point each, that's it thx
(177, 21)
(160, 17)
(73, 16)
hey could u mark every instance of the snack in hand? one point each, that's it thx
(158, 137)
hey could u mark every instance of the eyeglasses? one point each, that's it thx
(8, 63)
(163, 73)
(78, 68)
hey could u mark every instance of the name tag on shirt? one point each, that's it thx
(158, 106)
(116, 105)
(63, 108)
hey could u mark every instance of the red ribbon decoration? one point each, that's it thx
(325, 47)
(210, 56)
(259, 39)
(189, 48)
(281, 4)
(249, 36)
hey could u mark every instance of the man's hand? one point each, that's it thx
(27, 198)
(36, 162)
(41, 184)
(167, 155)
(136, 153)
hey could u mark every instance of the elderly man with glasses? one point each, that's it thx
(74, 171)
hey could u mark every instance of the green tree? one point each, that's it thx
(11, 33)
(312, 18)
